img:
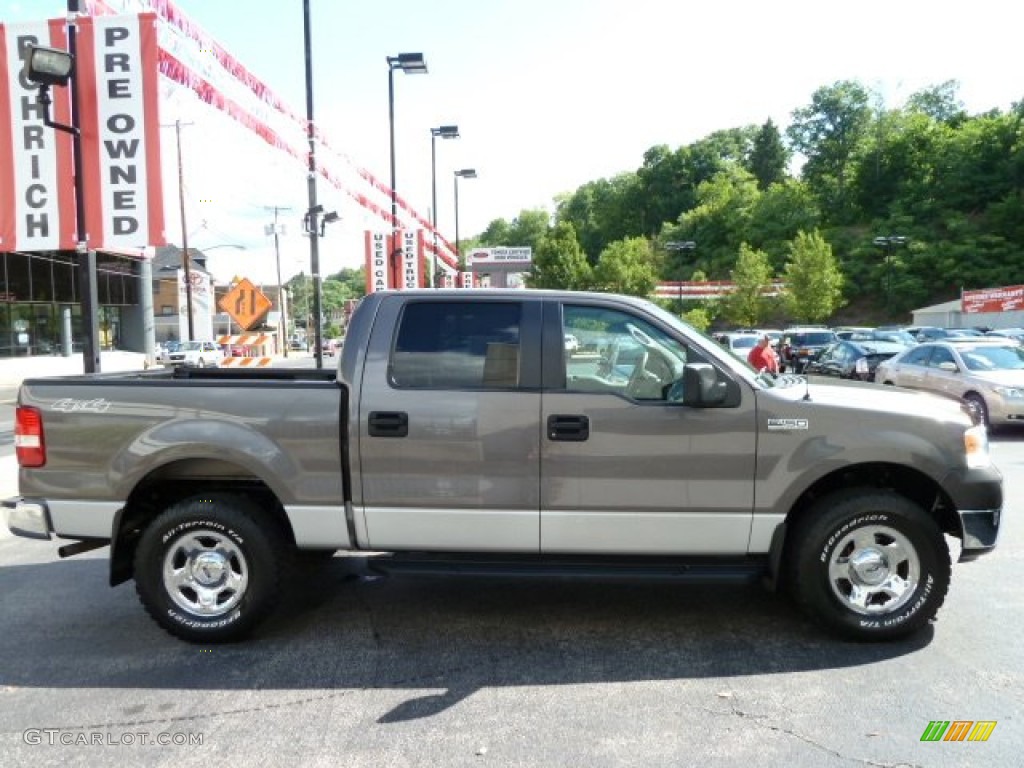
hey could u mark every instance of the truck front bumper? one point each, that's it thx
(980, 531)
(978, 496)
(27, 518)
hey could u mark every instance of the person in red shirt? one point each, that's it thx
(762, 357)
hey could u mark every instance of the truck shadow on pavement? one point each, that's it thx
(340, 631)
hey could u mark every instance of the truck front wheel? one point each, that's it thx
(869, 564)
(209, 568)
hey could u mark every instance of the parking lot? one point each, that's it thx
(366, 671)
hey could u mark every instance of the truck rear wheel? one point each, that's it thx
(869, 564)
(210, 567)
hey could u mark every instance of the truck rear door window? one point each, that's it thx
(457, 345)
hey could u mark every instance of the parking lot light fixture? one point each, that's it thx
(686, 246)
(465, 173)
(445, 132)
(411, 64)
(886, 242)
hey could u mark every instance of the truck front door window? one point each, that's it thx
(622, 354)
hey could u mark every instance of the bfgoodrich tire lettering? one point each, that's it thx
(210, 567)
(869, 564)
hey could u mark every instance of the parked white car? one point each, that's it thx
(197, 354)
(739, 344)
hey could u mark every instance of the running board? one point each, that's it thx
(693, 570)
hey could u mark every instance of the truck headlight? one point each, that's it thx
(976, 447)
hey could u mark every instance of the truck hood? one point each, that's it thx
(877, 400)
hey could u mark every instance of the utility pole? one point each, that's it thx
(278, 229)
(311, 221)
(185, 258)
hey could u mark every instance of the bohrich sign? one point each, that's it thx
(116, 72)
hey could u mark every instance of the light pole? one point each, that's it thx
(278, 229)
(411, 64)
(445, 132)
(465, 173)
(886, 242)
(187, 262)
(47, 67)
(685, 246)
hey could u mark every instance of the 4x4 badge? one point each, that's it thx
(786, 424)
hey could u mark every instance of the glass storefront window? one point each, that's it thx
(35, 290)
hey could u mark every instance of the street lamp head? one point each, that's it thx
(681, 245)
(239, 246)
(466, 173)
(885, 241)
(446, 131)
(410, 63)
(48, 66)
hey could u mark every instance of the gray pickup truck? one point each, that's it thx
(459, 434)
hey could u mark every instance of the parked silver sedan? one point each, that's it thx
(988, 375)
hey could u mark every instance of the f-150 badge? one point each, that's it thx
(786, 424)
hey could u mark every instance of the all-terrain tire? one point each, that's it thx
(210, 567)
(869, 564)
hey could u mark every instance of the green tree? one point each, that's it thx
(768, 157)
(627, 266)
(354, 281)
(828, 133)
(497, 233)
(814, 282)
(719, 222)
(777, 214)
(752, 277)
(528, 229)
(939, 102)
(698, 317)
(664, 187)
(603, 211)
(559, 261)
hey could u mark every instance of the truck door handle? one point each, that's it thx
(388, 424)
(569, 428)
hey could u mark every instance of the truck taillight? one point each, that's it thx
(28, 437)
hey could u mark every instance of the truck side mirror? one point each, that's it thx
(701, 385)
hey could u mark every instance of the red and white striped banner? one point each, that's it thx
(246, 339)
(246, 362)
(193, 59)
(116, 74)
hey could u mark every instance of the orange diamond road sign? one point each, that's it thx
(245, 303)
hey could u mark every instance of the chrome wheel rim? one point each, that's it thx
(874, 570)
(205, 573)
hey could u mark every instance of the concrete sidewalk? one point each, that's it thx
(14, 369)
